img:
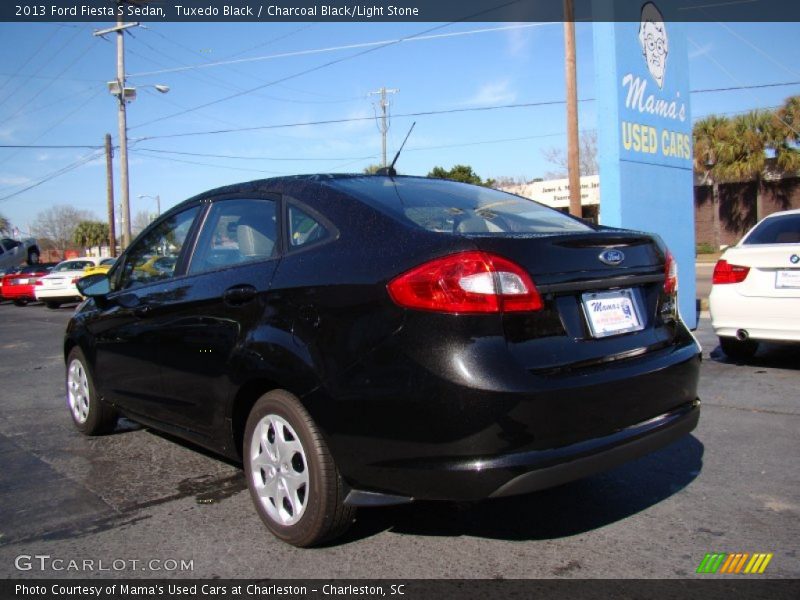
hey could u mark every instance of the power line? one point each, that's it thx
(737, 81)
(277, 158)
(45, 63)
(31, 57)
(71, 167)
(46, 147)
(354, 119)
(324, 65)
(379, 43)
(746, 87)
(764, 53)
(204, 164)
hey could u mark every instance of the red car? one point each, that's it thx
(19, 287)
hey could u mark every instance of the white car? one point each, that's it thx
(755, 296)
(59, 286)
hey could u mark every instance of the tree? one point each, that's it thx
(745, 157)
(58, 224)
(140, 221)
(711, 139)
(90, 233)
(588, 157)
(463, 173)
(5, 225)
(504, 181)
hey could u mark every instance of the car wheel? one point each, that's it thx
(293, 480)
(33, 257)
(90, 415)
(19, 302)
(738, 350)
(53, 305)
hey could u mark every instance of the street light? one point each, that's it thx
(157, 198)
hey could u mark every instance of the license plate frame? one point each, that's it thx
(787, 279)
(615, 312)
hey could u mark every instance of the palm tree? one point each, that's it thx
(5, 225)
(753, 136)
(90, 233)
(711, 137)
(789, 114)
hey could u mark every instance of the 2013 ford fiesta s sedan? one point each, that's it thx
(369, 340)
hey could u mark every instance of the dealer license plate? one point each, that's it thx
(787, 278)
(611, 313)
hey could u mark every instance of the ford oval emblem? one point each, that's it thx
(794, 259)
(611, 257)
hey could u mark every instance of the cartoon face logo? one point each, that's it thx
(654, 41)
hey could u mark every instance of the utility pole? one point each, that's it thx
(123, 94)
(112, 230)
(384, 124)
(573, 157)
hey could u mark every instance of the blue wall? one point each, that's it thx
(645, 133)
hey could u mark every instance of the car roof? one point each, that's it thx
(781, 213)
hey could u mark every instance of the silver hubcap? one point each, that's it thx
(279, 470)
(78, 391)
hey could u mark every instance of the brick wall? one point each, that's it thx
(737, 207)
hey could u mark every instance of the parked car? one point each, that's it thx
(6, 271)
(755, 292)
(371, 340)
(20, 286)
(58, 287)
(104, 266)
(14, 252)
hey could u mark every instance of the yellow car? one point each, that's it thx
(104, 266)
(157, 266)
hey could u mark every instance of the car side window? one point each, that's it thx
(304, 229)
(154, 256)
(236, 231)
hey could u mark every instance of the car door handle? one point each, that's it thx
(239, 294)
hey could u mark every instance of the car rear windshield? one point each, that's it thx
(776, 230)
(73, 265)
(449, 207)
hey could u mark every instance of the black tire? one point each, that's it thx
(323, 514)
(20, 302)
(737, 350)
(90, 415)
(53, 305)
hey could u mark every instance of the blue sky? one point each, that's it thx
(53, 92)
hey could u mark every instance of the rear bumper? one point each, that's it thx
(764, 319)
(456, 443)
(18, 292)
(58, 295)
(560, 465)
(549, 468)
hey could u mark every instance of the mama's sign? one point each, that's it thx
(654, 124)
(645, 127)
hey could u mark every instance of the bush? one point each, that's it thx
(705, 248)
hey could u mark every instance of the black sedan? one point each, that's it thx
(368, 340)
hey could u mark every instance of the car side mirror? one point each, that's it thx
(94, 286)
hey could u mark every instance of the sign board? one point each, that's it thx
(645, 129)
(555, 192)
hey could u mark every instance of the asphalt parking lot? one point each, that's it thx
(136, 496)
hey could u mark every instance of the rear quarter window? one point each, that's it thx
(455, 208)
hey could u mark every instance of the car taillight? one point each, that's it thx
(728, 273)
(468, 282)
(670, 274)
